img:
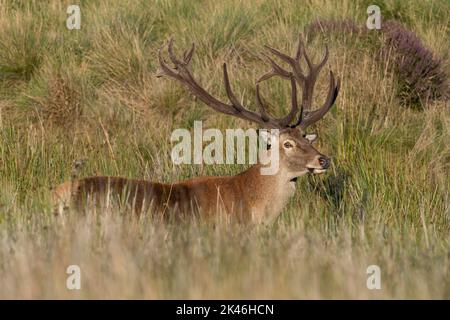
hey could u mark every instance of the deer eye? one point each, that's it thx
(287, 145)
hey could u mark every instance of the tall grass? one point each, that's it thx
(92, 94)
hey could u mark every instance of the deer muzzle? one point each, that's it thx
(324, 162)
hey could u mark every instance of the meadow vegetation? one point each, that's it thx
(91, 95)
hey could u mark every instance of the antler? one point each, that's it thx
(181, 72)
(306, 82)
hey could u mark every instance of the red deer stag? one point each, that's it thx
(249, 195)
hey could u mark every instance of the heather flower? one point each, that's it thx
(420, 73)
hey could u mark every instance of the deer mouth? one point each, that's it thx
(316, 170)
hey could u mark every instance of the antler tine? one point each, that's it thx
(165, 69)
(187, 56)
(264, 115)
(276, 71)
(280, 55)
(324, 59)
(298, 55)
(308, 61)
(172, 55)
(294, 103)
(316, 115)
(300, 117)
(316, 67)
(234, 101)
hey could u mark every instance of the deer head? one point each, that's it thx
(297, 154)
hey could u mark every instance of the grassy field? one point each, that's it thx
(92, 95)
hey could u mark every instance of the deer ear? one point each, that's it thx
(311, 137)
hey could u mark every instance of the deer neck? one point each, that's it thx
(266, 195)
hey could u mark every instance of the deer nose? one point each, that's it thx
(324, 162)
